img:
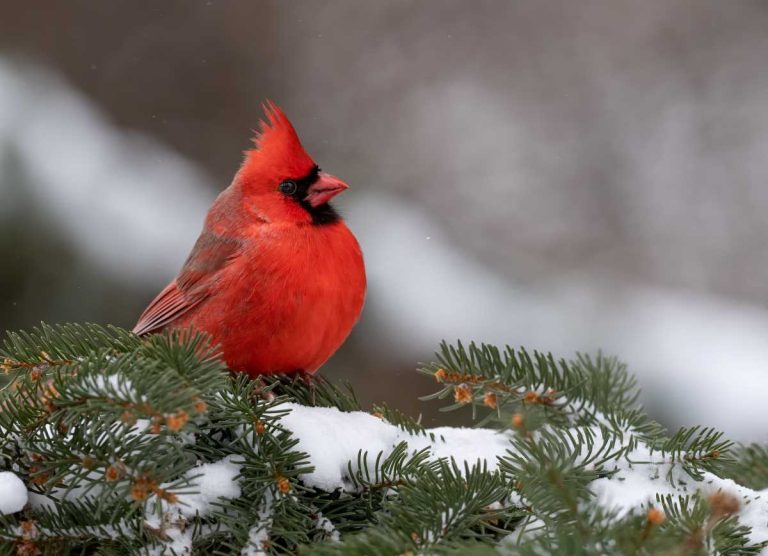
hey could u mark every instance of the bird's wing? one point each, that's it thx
(194, 283)
(164, 309)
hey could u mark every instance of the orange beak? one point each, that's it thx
(324, 189)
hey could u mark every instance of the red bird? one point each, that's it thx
(276, 277)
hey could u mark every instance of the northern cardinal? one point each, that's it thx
(276, 278)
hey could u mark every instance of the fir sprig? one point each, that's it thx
(110, 433)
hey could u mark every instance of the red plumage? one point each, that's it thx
(276, 277)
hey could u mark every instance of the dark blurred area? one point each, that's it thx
(568, 176)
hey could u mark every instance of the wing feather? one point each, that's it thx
(193, 285)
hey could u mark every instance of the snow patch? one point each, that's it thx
(333, 439)
(13, 493)
(208, 484)
(637, 484)
(258, 535)
(211, 482)
(325, 524)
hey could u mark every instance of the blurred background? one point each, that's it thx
(568, 176)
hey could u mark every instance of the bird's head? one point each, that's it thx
(280, 181)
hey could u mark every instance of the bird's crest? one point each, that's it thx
(278, 149)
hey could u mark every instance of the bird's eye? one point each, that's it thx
(288, 187)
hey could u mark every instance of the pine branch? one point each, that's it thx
(136, 446)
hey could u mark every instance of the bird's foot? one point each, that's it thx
(310, 381)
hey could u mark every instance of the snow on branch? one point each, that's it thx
(151, 447)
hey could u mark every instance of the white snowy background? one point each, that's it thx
(568, 176)
(133, 207)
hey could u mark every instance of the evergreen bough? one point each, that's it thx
(113, 435)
